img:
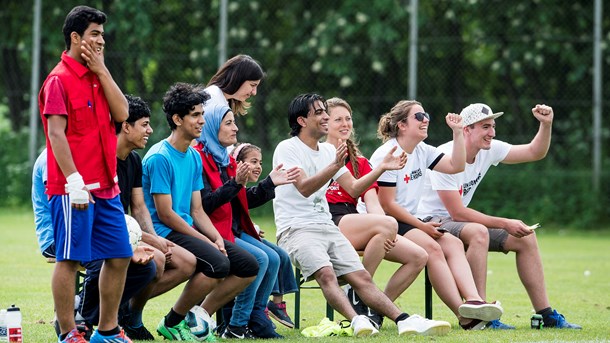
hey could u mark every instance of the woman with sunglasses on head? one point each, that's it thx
(235, 82)
(373, 232)
(406, 126)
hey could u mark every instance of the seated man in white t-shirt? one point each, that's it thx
(446, 198)
(306, 231)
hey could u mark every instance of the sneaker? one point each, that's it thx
(558, 321)
(118, 338)
(81, 325)
(278, 312)
(375, 318)
(140, 333)
(237, 332)
(261, 326)
(416, 324)
(498, 325)
(475, 324)
(73, 336)
(362, 326)
(180, 332)
(354, 299)
(480, 310)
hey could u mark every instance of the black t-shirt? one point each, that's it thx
(129, 172)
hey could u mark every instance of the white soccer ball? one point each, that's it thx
(199, 322)
(134, 230)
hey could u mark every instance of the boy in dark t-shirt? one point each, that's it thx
(174, 264)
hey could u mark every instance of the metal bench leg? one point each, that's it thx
(297, 299)
(428, 294)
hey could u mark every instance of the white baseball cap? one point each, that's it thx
(474, 113)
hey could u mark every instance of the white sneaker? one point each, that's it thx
(362, 326)
(416, 324)
(481, 310)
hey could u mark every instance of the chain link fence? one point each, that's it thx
(508, 54)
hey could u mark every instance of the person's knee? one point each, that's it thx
(159, 259)
(325, 276)
(183, 260)
(360, 279)
(274, 261)
(475, 235)
(391, 226)
(219, 270)
(433, 249)
(419, 258)
(527, 243)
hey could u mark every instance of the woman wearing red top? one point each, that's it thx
(372, 232)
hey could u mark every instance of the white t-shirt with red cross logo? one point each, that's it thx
(465, 182)
(409, 181)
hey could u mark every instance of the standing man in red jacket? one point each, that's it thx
(79, 104)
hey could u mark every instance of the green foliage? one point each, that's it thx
(539, 192)
(14, 168)
(510, 55)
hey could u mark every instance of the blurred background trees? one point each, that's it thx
(508, 54)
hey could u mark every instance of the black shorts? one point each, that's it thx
(404, 227)
(138, 277)
(338, 210)
(214, 264)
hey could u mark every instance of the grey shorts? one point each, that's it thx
(318, 245)
(497, 237)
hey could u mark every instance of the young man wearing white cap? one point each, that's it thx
(446, 198)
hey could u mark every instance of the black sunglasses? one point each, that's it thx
(421, 115)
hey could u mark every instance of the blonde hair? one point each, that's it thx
(352, 146)
(388, 123)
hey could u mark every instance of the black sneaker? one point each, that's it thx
(278, 312)
(356, 302)
(375, 318)
(140, 333)
(361, 308)
(237, 332)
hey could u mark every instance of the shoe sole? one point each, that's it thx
(439, 330)
(366, 333)
(485, 312)
(283, 322)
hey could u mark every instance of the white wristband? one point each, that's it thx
(75, 182)
(74, 187)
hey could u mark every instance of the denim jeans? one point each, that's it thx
(285, 280)
(256, 295)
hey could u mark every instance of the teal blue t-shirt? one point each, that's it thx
(166, 170)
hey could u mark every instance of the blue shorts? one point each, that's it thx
(97, 233)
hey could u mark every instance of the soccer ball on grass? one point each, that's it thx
(199, 322)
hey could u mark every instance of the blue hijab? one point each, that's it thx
(209, 136)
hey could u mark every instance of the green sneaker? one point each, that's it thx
(180, 332)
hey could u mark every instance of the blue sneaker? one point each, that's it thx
(118, 338)
(498, 325)
(558, 321)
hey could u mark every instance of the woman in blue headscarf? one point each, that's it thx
(226, 200)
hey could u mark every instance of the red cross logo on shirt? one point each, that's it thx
(407, 178)
(461, 190)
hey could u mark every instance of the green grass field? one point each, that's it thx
(584, 298)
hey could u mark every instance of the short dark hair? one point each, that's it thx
(79, 19)
(180, 99)
(299, 107)
(138, 108)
